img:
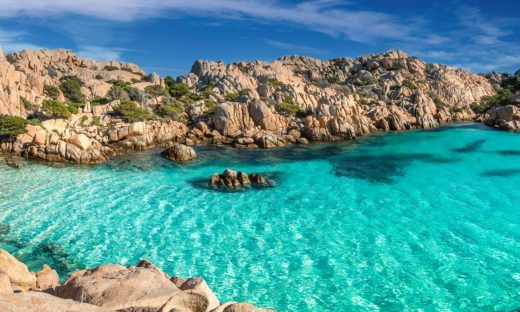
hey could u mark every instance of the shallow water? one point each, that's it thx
(405, 221)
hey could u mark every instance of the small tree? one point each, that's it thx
(169, 81)
(56, 109)
(71, 88)
(178, 90)
(11, 126)
(155, 91)
(131, 112)
(51, 91)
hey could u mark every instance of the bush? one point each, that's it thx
(84, 118)
(28, 105)
(56, 109)
(155, 91)
(74, 107)
(118, 82)
(439, 103)
(96, 121)
(99, 101)
(117, 93)
(178, 90)
(71, 88)
(171, 110)
(210, 107)
(232, 97)
(169, 81)
(503, 97)
(274, 83)
(207, 90)
(135, 94)
(288, 105)
(99, 77)
(34, 121)
(333, 80)
(110, 68)
(131, 112)
(12, 126)
(409, 84)
(51, 91)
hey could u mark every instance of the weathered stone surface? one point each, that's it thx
(5, 284)
(180, 152)
(81, 141)
(16, 271)
(41, 302)
(118, 287)
(230, 179)
(239, 307)
(47, 278)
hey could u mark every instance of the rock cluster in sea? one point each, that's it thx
(292, 100)
(230, 179)
(179, 152)
(111, 287)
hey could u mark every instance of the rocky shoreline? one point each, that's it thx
(292, 100)
(110, 287)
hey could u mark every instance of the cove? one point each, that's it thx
(412, 220)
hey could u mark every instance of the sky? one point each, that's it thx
(167, 36)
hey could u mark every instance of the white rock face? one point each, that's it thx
(16, 271)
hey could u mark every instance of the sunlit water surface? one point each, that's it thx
(417, 220)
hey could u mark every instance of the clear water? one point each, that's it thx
(406, 221)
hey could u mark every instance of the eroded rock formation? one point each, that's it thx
(109, 287)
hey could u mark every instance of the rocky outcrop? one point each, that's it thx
(112, 287)
(503, 117)
(179, 152)
(230, 179)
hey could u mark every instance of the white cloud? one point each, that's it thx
(294, 48)
(326, 16)
(100, 53)
(12, 41)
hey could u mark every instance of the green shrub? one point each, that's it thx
(12, 126)
(99, 101)
(503, 97)
(131, 112)
(110, 68)
(96, 121)
(210, 107)
(71, 88)
(409, 84)
(232, 97)
(117, 93)
(288, 105)
(84, 119)
(34, 121)
(154, 91)
(99, 77)
(178, 90)
(394, 87)
(207, 90)
(74, 107)
(333, 80)
(118, 82)
(439, 103)
(454, 110)
(169, 81)
(135, 94)
(274, 83)
(28, 105)
(56, 109)
(51, 91)
(172, 110)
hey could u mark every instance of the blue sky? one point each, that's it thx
(167, 36)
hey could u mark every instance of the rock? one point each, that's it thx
(81, 141)
(231, 179)
(16, 271)
(5, 284)
(41, 302)
(187, 301)
(47, 278)
(118, 287)
(200, 286)
(239, 307)
(178, 281)
(258, 179)
(180, 152)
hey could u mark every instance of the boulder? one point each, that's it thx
(231, 179)
(5, 284)
(180, 152)
(80, 140)
(33, 301)
(239, 307)
(17, 272)
(199, 285)
(118, 287)
(47, 278)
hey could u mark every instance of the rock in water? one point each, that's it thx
(231, 179)
(180, 152)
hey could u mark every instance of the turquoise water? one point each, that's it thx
(405, 221)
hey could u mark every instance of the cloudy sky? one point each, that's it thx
(166, 36)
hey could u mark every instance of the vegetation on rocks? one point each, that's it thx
(179, 90)
(155, 91)
(131, 112)
(110, 68)
(171, 109)
(503, 97)
(12, 126)
(56, 109)
(71, 88)
(51, 91)
(288, 105)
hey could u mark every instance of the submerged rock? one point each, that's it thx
(180, 152)
(230, 179)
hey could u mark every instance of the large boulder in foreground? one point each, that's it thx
(118, 287)
(179, 152)
(17, 272)
(33, 301)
